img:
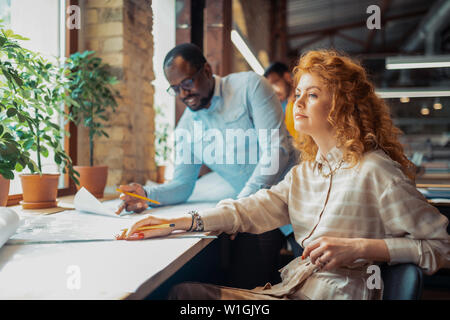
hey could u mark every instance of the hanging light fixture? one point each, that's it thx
(425, 111)
(437, 104)
(404, 99)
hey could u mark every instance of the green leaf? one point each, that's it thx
(28, 144)
(11, 112)
(21, 117)
(8, 33)
(8, 174)
(44, 152)
(57, 159)
(19, 167)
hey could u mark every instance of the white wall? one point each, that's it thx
(164, 40)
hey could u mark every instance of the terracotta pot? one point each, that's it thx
(160, 172)
(39, 191)
(93, 179)
(4, 191)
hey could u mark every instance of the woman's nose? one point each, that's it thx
(299, 103)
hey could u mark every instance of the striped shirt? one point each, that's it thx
(326, 197)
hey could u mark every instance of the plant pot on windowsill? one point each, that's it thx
(4, 190)
(39, 191)
(93, 179)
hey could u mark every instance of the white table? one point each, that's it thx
(93, 270)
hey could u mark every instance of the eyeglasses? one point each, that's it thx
(187, 84)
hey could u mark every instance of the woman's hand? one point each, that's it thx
(330, 253)
(135, 234)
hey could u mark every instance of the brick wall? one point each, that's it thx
(120, 31)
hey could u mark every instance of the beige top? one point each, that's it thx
(372, 200)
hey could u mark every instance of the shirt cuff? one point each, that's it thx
(402, 250)
(151, 195)
(215, 219)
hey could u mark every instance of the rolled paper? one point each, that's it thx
(9, 222)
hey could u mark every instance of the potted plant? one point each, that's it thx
(91, 86)
(31, 91)
(44, 95)
(162, 148)
(12, 155)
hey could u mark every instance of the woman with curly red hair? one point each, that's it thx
(351, 201)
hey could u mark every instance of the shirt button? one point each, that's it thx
(329, 157)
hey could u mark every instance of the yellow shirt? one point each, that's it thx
(289, 119)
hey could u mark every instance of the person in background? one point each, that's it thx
(280, 78)
(242, 103)
(352, 199)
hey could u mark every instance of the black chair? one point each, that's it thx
(402, 281)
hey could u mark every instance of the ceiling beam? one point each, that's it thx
(312, 41)
(358, 24)
(351, 39)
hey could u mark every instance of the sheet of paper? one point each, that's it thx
(74, 226)
(9, 222)
(84, 201)
(69, 225)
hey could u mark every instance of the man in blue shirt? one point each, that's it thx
(235, 126)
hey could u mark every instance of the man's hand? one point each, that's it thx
(330, 253)
(131, 203)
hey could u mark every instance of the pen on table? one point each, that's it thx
(157, 226)
(137, 196)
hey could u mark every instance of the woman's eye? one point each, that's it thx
(312, 95)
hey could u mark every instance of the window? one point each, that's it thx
(43, 22)
(164, 40)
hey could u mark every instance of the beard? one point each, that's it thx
(203, 103)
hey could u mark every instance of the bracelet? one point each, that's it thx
(192, 223)
(198, 219)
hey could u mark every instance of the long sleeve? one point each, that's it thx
(416, 231)
(179, 189)
(187, 168)
(263, 211)
(267, 114)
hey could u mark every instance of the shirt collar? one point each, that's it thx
(333, 157)
(217, 86)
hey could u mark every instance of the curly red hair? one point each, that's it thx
(361, 119)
